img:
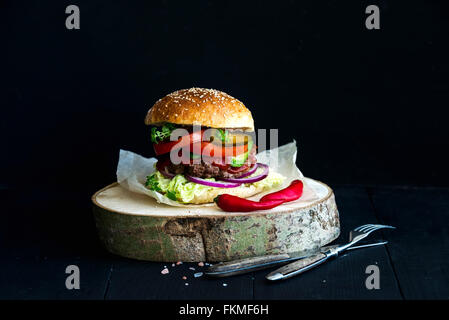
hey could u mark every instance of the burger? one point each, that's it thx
(204, 143)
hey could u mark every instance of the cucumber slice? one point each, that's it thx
(240, 160)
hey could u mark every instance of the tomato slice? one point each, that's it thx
(166, 147)
(210, 149)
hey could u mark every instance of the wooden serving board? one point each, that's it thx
(136, 226)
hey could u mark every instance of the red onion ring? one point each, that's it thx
(225, 182)
(250, 171)
(259, 177)
(218, 184)
(167, 174)
(161, 166)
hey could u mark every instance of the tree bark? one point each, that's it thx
(136, 226)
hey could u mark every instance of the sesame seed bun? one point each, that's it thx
(207, 107)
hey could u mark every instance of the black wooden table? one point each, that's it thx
(43, 232)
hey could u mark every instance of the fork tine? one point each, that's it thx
(365, 230)
(360, 227)
(363, 227)
(377, 227)
(382, 226)
(367, 226)
(371, 229)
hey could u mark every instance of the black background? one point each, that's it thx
(368, 109)
(365, 106)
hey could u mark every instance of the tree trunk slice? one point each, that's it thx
(136, 226)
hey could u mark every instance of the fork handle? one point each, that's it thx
(298, 267)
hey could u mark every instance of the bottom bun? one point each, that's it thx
(242, 191)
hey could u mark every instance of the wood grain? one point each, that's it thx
(419, 247)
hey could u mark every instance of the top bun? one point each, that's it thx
(207, 107)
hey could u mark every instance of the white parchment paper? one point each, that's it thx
(133, 169)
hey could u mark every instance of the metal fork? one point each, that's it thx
(308, 263)
(362, 232)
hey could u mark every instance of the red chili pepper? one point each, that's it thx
(291, 193)
(231, 203)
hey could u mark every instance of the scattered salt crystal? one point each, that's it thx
(172, 264)
(186, 283)
(191, 268)
(225, 284)
(201, 264)
(198, 274)
(164, 271)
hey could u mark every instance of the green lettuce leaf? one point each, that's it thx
(158, 135)
(182, 190)
(178, 188)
